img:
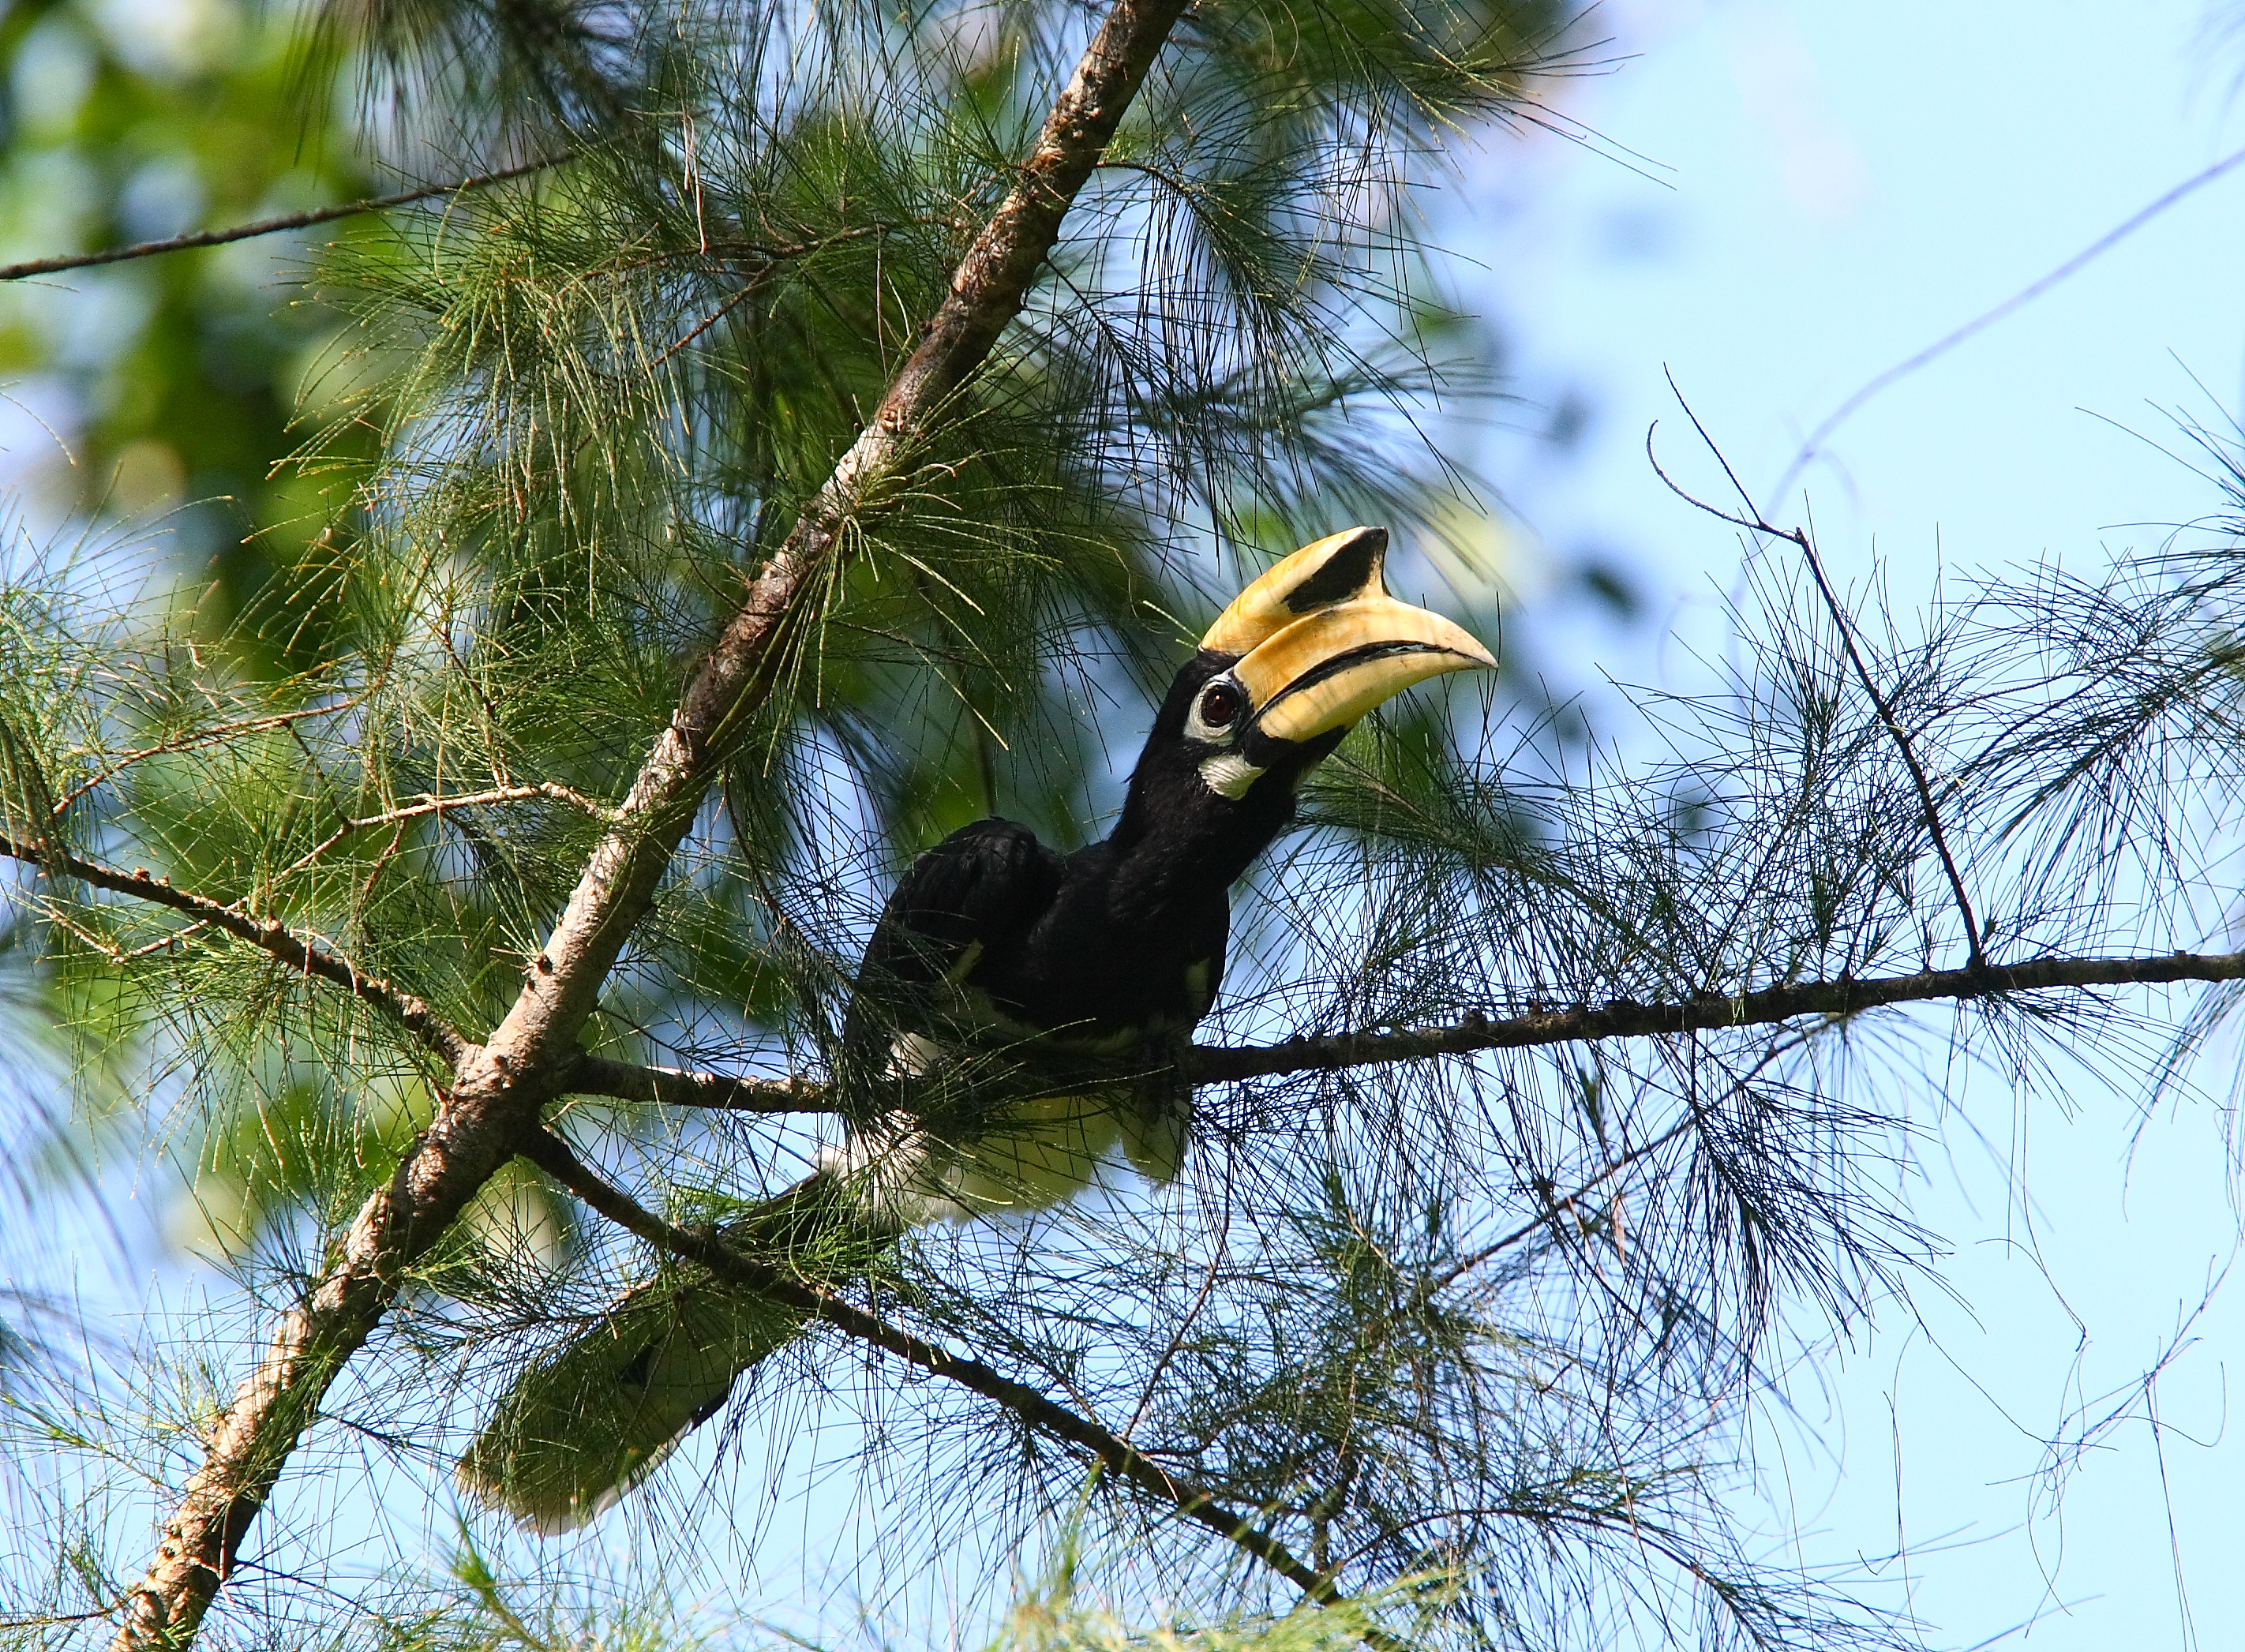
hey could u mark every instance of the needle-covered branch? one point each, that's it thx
(269, 226)
(550, 1154)
(1581, 1023)
(501, 1085)
(1623, 1018)
(310, 957)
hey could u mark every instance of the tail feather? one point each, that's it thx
(593, 1417)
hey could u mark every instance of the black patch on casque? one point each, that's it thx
(1344, 574)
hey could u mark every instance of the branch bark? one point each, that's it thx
(268, 935)
(550, 1154)
(1626, 1018)
(679, 1088)
(501, 1085)
(268, 226)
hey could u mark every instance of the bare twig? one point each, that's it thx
(269, 226)
(1883, 702)
(1987, 318)
(199, 738)
(550, 1154)
(430, 805)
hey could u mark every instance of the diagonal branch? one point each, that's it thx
(269, 226)
(500, 1087)
(310, 957)
(1883, 702)
(550, 1154)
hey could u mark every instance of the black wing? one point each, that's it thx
(982, 885)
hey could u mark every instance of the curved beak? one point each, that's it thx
(1328, 668)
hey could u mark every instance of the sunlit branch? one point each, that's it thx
(499, 1086)
(1626, 1018)
(269, 226)
(550, 1154)
(680, 1087)
(314, 958)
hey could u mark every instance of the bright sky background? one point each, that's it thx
(1832, 188)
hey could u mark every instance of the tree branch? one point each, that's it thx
(679, 1087)
(269, 226)
(1626, 1018)
(1883, 703)
(550, 1154)
(268, 935)
(499, 1086)
(1618, 1019)
(432, 805)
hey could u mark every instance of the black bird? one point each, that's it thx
(995, 948)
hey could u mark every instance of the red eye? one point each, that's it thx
(1219, 704)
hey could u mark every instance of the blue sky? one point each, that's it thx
(1826, 190)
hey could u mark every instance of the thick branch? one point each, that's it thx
(501, 1085)
(268, 935)
(679, 1087)
(550, 1154)
(268, 226)
(1626, 1018)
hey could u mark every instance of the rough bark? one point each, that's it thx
(499, 1086)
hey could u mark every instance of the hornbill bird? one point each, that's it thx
(996, 952)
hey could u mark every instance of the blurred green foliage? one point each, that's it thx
(170, 385)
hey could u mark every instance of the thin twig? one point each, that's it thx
(201, 737)
(550, 1154)
(269, 226)
(2034, 289)
(431, 805)
(1879, 700)
(268, 935)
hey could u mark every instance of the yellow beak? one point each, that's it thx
(1321, 642)
(1328, 668)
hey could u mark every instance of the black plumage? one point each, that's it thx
(1004, 1042)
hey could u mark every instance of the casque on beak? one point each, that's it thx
(1319, 642)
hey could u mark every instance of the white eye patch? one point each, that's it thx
(1219, 712)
